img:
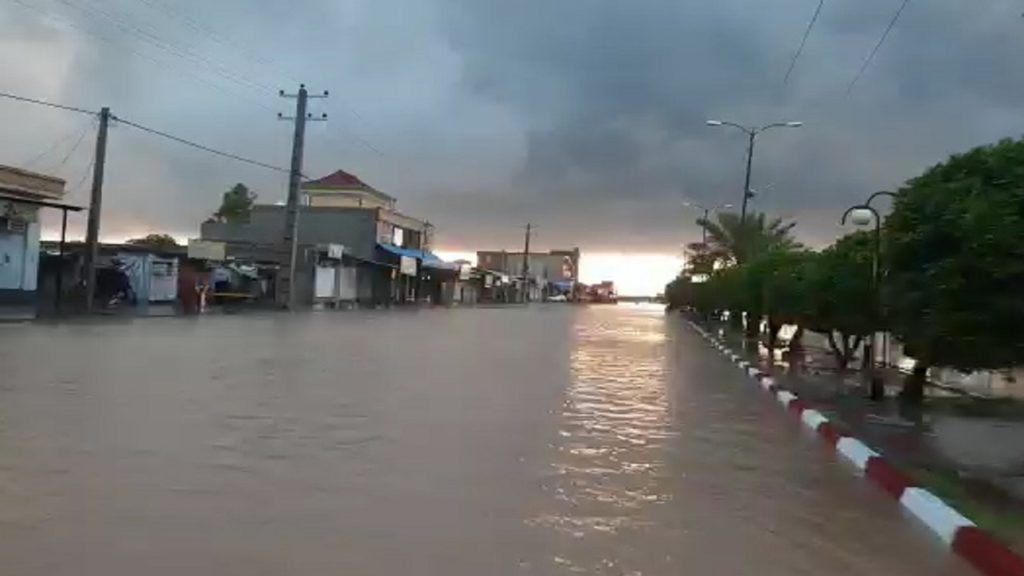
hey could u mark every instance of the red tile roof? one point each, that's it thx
(338, 179)
(342, 180)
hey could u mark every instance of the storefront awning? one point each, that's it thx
(410, 252)
(428, 259)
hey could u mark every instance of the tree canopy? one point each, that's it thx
(158, 241)
(735, 241)
(956, 260)
(236, 205)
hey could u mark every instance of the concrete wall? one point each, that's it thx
(355, 228)
(346, 199)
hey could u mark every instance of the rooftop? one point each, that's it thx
(342, 180)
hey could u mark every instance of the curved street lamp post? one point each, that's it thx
(707, 213)
(862, 215)
(751, 132)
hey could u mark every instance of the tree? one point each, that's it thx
(157, 241)
(732, 241)
(956, 259)
(840, 297)
(785, 290)
(699, 259)
(235, 206)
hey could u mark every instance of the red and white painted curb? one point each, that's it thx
(978, 547)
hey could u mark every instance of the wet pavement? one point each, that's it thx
(549, 440)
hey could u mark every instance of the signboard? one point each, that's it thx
(465, 272)
(334, 251)
(206, 250)
(488, 281)
(408, 266)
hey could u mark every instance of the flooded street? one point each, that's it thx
(550, 440)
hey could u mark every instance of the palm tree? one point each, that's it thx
(733, 241)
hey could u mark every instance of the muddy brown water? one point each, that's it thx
(549, 440)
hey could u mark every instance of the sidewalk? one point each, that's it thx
(966, 450)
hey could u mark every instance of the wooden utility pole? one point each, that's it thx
(92, 233)
(286, 294)
(526, 264)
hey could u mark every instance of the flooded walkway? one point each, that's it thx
(550, 440)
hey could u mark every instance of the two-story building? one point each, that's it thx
(550, 273)
(354, 245)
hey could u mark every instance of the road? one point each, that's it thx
(551, 440)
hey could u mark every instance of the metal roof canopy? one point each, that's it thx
(7, 195)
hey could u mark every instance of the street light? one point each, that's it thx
(862, 215)
(704, 221)
(751, 132)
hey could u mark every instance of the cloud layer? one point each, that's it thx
(583, 116)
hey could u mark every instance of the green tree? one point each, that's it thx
(157, 241)
(700, 260)
(956, 256)
(732, 241)
(840, 297)
(731, 244)
(236, 205)
(785, 290)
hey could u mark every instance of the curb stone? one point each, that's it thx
(975, 545)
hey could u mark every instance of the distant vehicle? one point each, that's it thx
(558, 298)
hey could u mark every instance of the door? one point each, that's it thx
(12, 260)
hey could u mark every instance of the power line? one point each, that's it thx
(45, 103)
(129, 29)
(52, 148)
(157, 61)
(216, 36)
(73, 148)
(250, 55)
(888, 29)
(362, 141)
(803, 41)
(88, 170)
(201, 146)
(154, 40)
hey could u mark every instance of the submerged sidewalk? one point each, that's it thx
(967, 450)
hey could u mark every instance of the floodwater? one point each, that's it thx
(551, 440)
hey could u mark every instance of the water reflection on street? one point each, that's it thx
(549, 440)
(609, 469)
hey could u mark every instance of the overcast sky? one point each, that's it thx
(585, 117)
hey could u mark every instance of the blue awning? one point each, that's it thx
(427, 257)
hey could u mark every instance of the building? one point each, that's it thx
(550, 273)
(354, 245)
(129, 277)
(343, 190)
(22, 195)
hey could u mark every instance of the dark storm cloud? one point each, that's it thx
(584, 116)
(616, 94)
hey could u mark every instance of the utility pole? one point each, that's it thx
(92, 233)
(526, 264)
(286, 294)
(746, 181)
(704, 229)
